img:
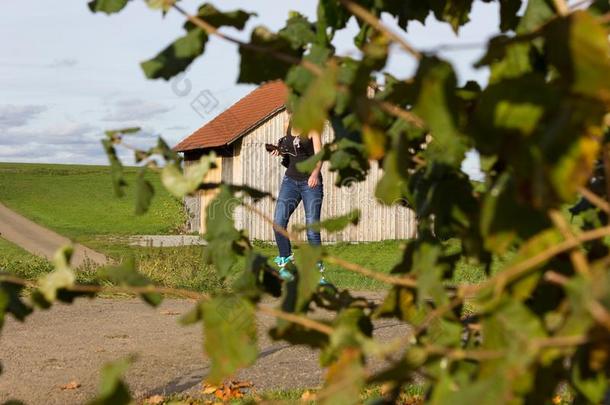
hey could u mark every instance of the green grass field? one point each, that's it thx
(77, 201)
(19, 262)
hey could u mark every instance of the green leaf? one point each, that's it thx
(374, 142)
(437, 105)
(537, 13)
(487, 390)
(592, 384)
(351, 329)
(164, 5)
(256, 278)
(504, 219)
(112, 389)
(210, 14)
(509, 17)
(578, 47)
(335, 224)
(116, 168)
(300, 78)
(251, 192)
(62, 277)
(180, 184)
(126, 274)
(311, 112)
(299, 335)
(507, 59)
(309, 275)
(345, 379)
(144, 192)
(444, 332)
(254, 63)
(391, 187)
(163, 149)
(229, 326)
(578, 321)
(225, 243)
(426, 264)
(107, 6)
(332, 14)
(113, 133)
(512, 110)
(298, 30)
(573, 170)
(599, 7)
(453, 12)
(11, 302)
(512, 327)
(399, 303)
(307, 165)
(176, 57)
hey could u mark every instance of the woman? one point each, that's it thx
(297, 186)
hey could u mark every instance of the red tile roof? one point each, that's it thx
(238, 119)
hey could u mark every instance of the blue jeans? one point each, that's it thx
(291, 193)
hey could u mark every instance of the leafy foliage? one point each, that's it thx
(178, 56)
(112, 390)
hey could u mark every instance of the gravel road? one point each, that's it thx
(70, 343)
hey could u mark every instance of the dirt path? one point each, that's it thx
(71, 342)
(41, 241)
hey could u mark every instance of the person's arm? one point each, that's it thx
(314, 178)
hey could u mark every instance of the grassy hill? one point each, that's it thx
(77, 201)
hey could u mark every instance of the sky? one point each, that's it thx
(66, 75)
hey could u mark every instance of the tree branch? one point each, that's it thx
(578, 258)
(561, 7)
(595, 199)
(303, 321)
(518, 269)
(386, 278)
(136, 290)
(376, 23)
(211, 30)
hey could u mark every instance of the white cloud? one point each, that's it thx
(66, 142)
(135, 109)
(64, 63)
(61, 134)
(12, 116)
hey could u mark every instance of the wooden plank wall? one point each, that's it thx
(253, 166)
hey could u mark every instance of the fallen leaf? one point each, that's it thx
(386, 388)
(209, 389)
(154, 400)
(241, 384)
(308, 396)
(72, 385)
(228, 390)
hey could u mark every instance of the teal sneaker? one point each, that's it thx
(321, 269)
(282, 262)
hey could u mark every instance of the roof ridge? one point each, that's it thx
(238, 119)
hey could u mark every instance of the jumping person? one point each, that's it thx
(297, 186)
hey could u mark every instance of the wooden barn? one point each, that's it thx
(238, 136)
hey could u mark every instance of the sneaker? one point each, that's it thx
(321, 269)
(281, 263)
